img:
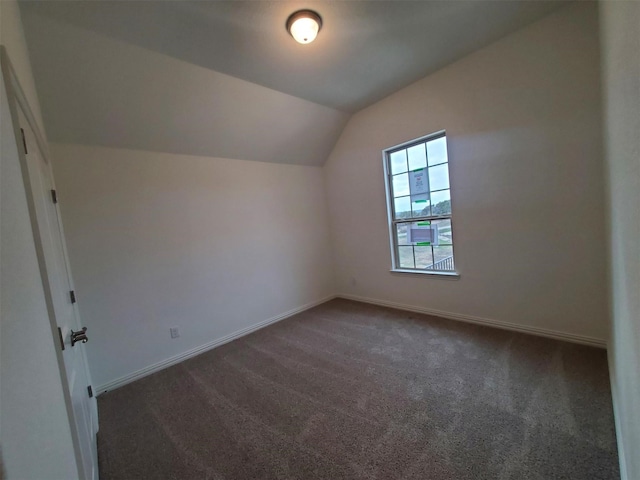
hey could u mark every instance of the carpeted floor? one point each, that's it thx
(354, 391)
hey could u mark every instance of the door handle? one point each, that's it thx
(79, 336)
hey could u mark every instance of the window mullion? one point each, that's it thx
(396, 221)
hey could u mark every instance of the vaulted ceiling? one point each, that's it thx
(224, 78)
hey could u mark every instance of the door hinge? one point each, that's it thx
(72, 296)
(24, 141)
(90, 391)
(54, 196)
(61, 339)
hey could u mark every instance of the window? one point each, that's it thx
(419, 205)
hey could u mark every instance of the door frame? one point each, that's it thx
(17, 99)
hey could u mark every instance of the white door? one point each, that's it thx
(57, 280)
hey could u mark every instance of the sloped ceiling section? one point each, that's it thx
(224, 78)
(365, 51)
(96, 90)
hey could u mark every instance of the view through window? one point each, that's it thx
(419, 201)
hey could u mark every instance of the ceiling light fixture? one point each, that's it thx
(304, 25)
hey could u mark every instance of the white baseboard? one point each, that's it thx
(119, 382)
(616, 417)
(542, 332)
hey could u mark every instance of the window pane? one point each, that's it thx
(405, 259)
(441, 202)
(420, 205)
(417, 157)
(401, 233)
(398, 161)
(437, 151)
(424, 257)
(439, 177)
(402, 206)
(443, 256)
(401, 185)
(444, 231)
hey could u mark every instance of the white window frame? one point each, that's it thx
(392, 221)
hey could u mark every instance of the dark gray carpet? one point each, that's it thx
(353, 391)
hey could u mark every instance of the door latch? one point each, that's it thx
(79, 336)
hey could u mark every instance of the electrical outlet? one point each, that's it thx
(175, 333)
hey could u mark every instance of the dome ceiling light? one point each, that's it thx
(304, 25)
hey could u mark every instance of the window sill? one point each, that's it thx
(449, 275)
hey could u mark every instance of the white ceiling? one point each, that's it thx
(89, 56)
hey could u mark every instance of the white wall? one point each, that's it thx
(620, 36)
(34, 431)
(209, 245)
(12, 37)
(524, 132)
